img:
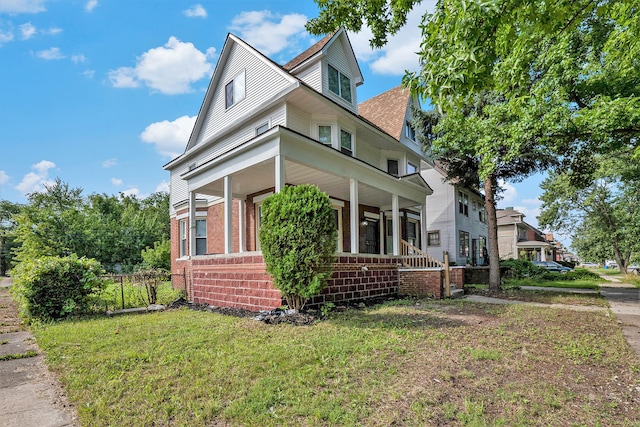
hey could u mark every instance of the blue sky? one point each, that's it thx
(103, 93)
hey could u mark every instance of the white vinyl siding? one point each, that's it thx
(256, 92)
(298, 120)
(312, 76)
(178, 189)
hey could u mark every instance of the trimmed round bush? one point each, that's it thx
(298, 241)
(52, 288)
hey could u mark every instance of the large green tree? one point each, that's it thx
(602, 217)
(114, 230)
(566, 73)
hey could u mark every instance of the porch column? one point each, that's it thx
(228, 215)
(395, 220)
(543, 254)
(280, 173)
(241, 224)
(354, 222)
(192, 223)
(423, 227)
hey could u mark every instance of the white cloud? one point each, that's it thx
(116, 181)
(195, 11)
(5, 36)
(509, 195)
(109, 163)
(34, 181)
(4, 178)
(51, 31)
(27, 31)
(262, 30)
(78, 58)
(91, 4)
(163, 186)
(399, 54)
(88, 73)
(133, 191)
(168, 69)
(22, 6)
(50, 54)
(170, 138)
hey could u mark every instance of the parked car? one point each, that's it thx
(589, 264)
(552, 266)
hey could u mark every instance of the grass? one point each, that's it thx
(14, 356)
(134, 296)
(572, 284)
(410, 363)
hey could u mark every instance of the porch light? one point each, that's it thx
(364, 222)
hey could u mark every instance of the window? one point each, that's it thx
(411, 168)
(262, 129)
(473, 205)
(324, 135)
(234, 90)
(201, 236)
(482, 214)
(337, 219)
(346, 142)
(463, 203)
(183, 237)
(339, 84)
(412, 232)
(409, 131)
(392, 167)
(433, 238)
(463, 248)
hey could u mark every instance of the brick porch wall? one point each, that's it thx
(422, 283)
(241, 280)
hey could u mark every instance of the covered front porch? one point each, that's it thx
(533, 250)
(370, 205)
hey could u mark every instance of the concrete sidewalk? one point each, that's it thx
(30, 395)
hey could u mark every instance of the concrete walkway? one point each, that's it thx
(623, 299)
(30, 395)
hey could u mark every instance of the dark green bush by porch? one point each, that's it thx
(54, 287)
(298, 241)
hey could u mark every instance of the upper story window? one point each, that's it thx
(324, 135)
(262, 129)
(234, 91)
(339, 84)
(463, 203)
(411, 168)
(346, 142)
(409, 131)
(392, 167)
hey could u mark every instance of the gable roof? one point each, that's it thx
(307, 54)
(387, 110)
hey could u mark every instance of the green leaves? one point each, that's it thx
(298, 241)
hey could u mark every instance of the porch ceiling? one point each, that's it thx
(262, 176)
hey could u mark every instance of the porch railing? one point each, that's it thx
(413, 257)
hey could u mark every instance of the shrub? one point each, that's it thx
(523, 269)
(298, 241)
(157, 257)
(55, 287)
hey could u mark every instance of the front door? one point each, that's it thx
(474, 251)
(371, 245)
(389, 236)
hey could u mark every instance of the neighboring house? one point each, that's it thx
(263, 126)
(456, 218)
(456, 221)
(519, 240)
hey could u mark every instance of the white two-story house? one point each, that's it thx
(263, 126)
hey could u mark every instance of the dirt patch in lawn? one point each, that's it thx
(541, 296)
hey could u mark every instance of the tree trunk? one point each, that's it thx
(492, 222)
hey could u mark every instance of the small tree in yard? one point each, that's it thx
(298, 242)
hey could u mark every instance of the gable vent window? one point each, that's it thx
(339, 84)
(234, 91)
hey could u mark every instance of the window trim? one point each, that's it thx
(182, 238)
(200, 237)
(343, 149)
(429, 240)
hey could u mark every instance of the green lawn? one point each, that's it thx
(409, 363)
(572, 284)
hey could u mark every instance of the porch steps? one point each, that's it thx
(456, 293)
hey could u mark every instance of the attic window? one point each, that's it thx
(339, 84)
(409, 131)
(234, 91)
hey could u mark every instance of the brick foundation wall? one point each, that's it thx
(456, 276)
(422, 283)
(359, 277)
